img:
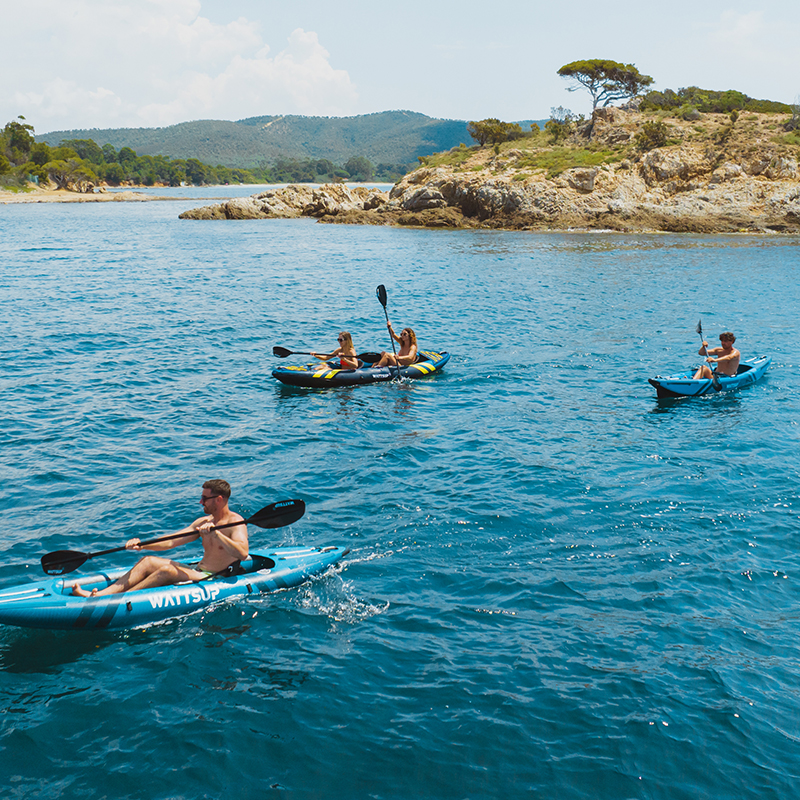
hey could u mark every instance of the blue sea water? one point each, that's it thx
(557, 585)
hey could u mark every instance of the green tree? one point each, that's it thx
(113, 174)
(196, 171)
(605, 80)
(511, 131)
(40, 153)
(559, 126)
(19, 140)
(661, 101)
(360, 168)
(494, 131)
(481, 131)
(127, 158)
(557, 131)
(324, 167)
(87, 149)
(72, 174)
(391, 173)
(177, 174)
(61, 153)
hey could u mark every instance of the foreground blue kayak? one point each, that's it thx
(49, 603)
(683, 385)
(328, 375)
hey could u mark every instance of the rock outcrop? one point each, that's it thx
(700, 181)
(293, 201)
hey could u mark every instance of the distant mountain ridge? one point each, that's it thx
(386, 137)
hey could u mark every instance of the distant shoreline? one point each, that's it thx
(128, 194)
(62, 196)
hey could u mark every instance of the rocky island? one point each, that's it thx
(713, 173)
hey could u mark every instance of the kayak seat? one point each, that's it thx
(259, 562)
(743, 368)
(230, 570)
(251, 564)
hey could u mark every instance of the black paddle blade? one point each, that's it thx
(381, 292)
(699, 328)
(63, 561)
(281, 352)
(278, 514)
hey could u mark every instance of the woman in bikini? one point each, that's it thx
(408, 349)
(345, 351)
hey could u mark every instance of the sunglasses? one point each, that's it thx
(204, 498)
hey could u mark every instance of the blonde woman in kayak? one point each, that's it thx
(407, 354)
(346, 352)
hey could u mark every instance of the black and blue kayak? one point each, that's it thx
(49, 603)
(683, 384)
(329, 374)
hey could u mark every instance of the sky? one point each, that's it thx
(152, 63)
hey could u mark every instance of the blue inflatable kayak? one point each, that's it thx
(49, 603)
(327, 374)
(682, 384)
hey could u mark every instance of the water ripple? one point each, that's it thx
(557, 583)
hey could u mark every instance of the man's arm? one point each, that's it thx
(233, 541)
(191, 533)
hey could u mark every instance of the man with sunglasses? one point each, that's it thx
(221, 549)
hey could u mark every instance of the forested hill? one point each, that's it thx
(391, 137)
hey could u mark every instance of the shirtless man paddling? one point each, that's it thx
(727, 357)
(220, 548)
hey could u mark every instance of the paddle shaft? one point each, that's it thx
(165, 538)
(714, 377)
(381, 292)
(282, 352)
(275, 515)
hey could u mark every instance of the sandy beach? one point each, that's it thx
(62, 196)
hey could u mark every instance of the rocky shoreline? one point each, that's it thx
(747, 184)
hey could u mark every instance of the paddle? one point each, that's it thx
(714, 377)
(381, 292)
(282, 352)
(275, 515)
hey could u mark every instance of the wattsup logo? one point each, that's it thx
(198, 594)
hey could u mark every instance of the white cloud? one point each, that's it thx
(299, 79)
(127, 63)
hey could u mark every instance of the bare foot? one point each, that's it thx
(76, 590)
